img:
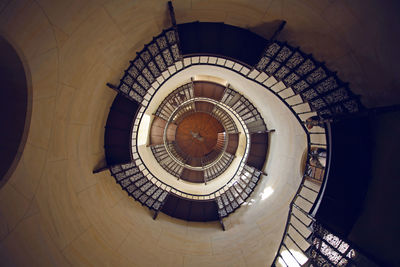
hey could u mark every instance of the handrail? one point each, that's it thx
(297, 194)
(245, 75)
(243, 71)
(321, 93)
(235, 66)
(309, 142)
(316, 204)
(193, 100)
(177, 191)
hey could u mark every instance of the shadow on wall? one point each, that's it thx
(15, 109)
(266, 29)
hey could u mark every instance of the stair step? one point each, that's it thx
(235, 196)
(208, 89)
(209, 37)
(124, 105)
(189, 38)
(312, 185)
(190, 210)
(149, 64)
(116, 155)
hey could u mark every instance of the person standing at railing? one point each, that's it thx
(316, 165)
(316, 121)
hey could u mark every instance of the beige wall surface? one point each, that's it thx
(54, 211)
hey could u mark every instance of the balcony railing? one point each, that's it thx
(304, 85)
(296, 243)
(153, 67)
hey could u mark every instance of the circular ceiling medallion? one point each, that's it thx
(197, 134)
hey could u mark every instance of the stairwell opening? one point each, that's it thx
(15, 108)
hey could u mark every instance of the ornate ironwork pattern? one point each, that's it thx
(148, 65)
(329, 250)
(214, 171)
(137, 185)
(300, 72)
(242, 185)
(179, 104)
(321, 92)
(245, 109)
(174, 100)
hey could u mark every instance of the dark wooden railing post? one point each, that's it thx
(112, 86)
(173, 22)
(222, 224)
(100, 169)
(271, 40)
(172, 13)
(278, 31)
(158, 210)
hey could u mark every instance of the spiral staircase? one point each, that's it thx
(307, 88)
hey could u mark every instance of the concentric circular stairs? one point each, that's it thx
(306, 86)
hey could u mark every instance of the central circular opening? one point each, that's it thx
(194, 135)
(197, 134)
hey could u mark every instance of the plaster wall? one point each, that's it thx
(54, 211)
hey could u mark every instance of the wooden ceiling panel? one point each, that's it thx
(192, 176)
(208, 89)
(204, 107)
(233, 142)
(197, 134)
(157, 131)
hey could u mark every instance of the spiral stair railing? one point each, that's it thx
(240, 174)
(176, 103)
(304, 85)
(170, 150)
(132, 176)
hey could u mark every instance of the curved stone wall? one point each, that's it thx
(54, 211)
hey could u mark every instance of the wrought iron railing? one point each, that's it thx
(134, 85)
(301, 110)
(237, 67)
(226, 123)
(214, 194)
(294, 247)
(304, 85)
(174, 100)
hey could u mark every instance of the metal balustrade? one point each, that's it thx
(178, 104)
(157, 59)
(182, 111)
(168, 188)
(242, 186)
(224, 108)
(245, 109)
(179, 66)
(175, 107)
(328, 249)
(163, 158)
(138, 186)
(298, 108)
(174, 100)
(223, 117)
(295, 244)
(303, 84)
(218, 168)
(302, 75)
(162, 78)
